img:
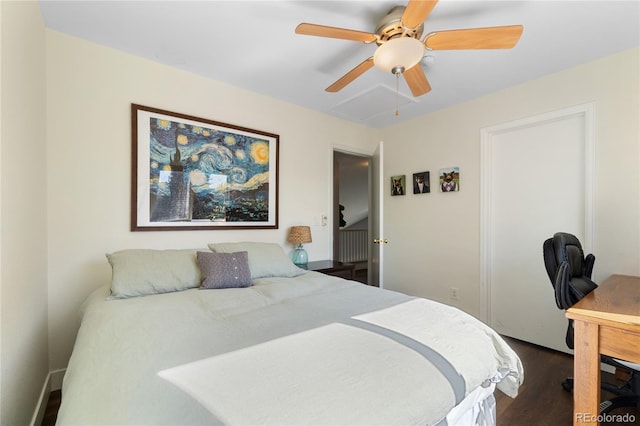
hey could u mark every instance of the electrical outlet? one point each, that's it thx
(453, 293)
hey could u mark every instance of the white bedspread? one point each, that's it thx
(308, 350)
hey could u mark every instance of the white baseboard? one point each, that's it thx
(52, 383)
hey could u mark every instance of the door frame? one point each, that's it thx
(587, 111)
(377, 240)
(335, 210)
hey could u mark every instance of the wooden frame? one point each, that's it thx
(191, 173)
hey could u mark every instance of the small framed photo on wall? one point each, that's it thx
(421, 183)
(398, 185)
(450, 179)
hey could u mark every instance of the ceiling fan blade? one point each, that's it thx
(333, 32)
(417, 80)
(475, 38)
(417, 11)
(351, 75)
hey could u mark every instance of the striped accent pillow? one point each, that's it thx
(224, 270)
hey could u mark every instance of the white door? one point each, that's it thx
(376, 245)
(536, 182)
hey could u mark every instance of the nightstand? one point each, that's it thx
(332, 267)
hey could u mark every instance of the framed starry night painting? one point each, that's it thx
(191, 173)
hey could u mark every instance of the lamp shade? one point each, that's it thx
(402, 52)
(299, 235)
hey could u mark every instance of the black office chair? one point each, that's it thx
(570, 273)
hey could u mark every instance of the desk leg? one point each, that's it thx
(586, 374)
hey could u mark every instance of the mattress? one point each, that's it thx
(312, 349)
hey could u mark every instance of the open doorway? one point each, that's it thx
(351, 209)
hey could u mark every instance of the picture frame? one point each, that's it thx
(192, 173)
(398, 185)
(449, 179)
(421, 183)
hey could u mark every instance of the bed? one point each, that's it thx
(237, 335)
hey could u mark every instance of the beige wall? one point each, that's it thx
(435, 239)
(89, 92)
(23, 212)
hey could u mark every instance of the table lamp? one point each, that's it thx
(299, 235)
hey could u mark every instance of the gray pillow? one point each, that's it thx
(265, 259)
(140, 272)
(224, 270)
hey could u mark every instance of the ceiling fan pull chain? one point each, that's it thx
(397, 107)
(397, 71)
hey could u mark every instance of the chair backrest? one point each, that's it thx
(568, 268)
(569, 271)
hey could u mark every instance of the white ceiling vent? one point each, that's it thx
(378, 100)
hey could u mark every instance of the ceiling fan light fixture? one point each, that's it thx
(402, 52)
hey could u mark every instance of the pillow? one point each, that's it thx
(224, 270)
(265, 259)
(139, 272)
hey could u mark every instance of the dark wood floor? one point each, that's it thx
(541, 400)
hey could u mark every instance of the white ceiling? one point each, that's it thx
(252, 44)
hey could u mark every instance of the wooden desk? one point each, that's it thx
(607, 321)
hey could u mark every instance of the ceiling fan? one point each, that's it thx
(400, 49)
